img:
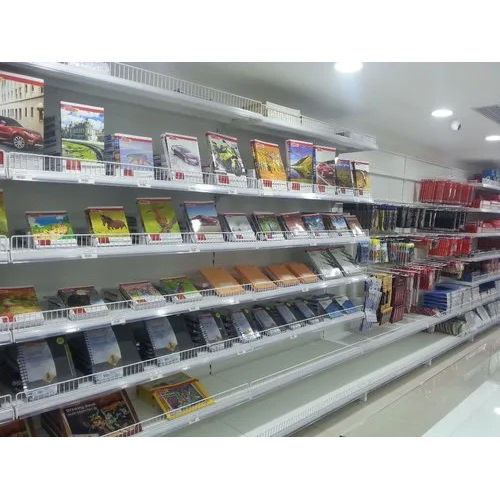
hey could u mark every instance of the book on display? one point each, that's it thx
(19, 305)
(134, 154)
(303, 272)
(182, 156)
(343, 173)
(324, 165)
(84, 302)
(345, 304)
(209, 328)
(161, 337)
(253, 276)
(51, 229)
(305, 311)
(16, 428)
(282, 275)
(353, 224)
(142, 295)
(268, 163)
(324, 263)
(221, 281)
(268, 226)
(265, 322)
(345, 261)
(314, 224)
(203, 221)
(239, 228)
(242, 326)
(180, 289)
(158, 220)
(294, 225)
(286, 316)
(227, 164)
(109, 226)
(334, 222)
(361, 171)
(299, 161)
(327, 305)
(4, 228)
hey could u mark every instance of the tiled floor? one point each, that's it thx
(459, 395)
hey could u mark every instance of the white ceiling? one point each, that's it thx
(392, 101)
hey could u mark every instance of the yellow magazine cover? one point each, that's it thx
(158, 215)
(267, 160)
(4, 230)
(17, 300)
(109, 221)
(361, 171)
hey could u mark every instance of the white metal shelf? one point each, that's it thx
(56, 322)
(166, 92)
(480, 256)
(31, 402)
(476, 281)
(242, 393)
(488, 186)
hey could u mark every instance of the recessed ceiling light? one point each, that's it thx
(492, 138)
(348, 67)
(442, 113)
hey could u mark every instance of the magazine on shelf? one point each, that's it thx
(253, 276)
(221, 281)
(109, 225)
(182, 156)
(324, 263)
(209, 328)
(299, 155)
(19, 305)
(162, 336)
(268, 163)
(84, 302)
(335, 222)
(294, 225)
(22, 110)
(314, 224)
(51, 229)
(243, 327)
(36, 364)
(239, 227)
(286, 316)
(159, 220)
(343, 173)
(265, 321)
(204, 221)
(142, 294)
(303, 272)
(227, 164)
(345, 261)
(305, 311)
(327, 304)
(16, 428)
(99, 416)
(180, 289)
(324, 165)
(361, 172)
(4, 228)
(134, 154)
(353, 224)
(345, 303)
(282, 275)
(268, 226)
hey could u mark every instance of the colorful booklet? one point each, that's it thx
(334, 222)
(324, 263)
(314, 223)
(20, 305)
(82, 131)
(327, 305)
(51, 229)
(104, 415)
(239, 227)
(267, 161)
(294, 225)
(180, 289)
(255, 277)
(142, 294)
(134, 154)
(182, 155)
(345, 303)
(226, 158)
(300, 161)
(324, 165)
(158, 220)
(303, 273)
(176, 395)
(361, 170)
(344, 173)
(268, 226)
(109, 224)
(83, 302)
(4, 229)
(242, 326)
(204, 221)
(282, 275)
(220, 280)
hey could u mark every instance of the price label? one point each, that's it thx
(86, 180)
(117, 321)
(240, 353)
(21, 177)
(143, 184)
(89, 256)
(193, 308)
(232, 191)
(194, 420)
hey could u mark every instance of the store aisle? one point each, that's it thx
(458, 395)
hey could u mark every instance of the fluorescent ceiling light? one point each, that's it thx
(348, 67)
(442, 113)
(492, 138)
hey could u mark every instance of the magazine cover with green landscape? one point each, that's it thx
(82, 131)
(109, 221)
(158, 215)
(18, 300)
(300, 161)
(44, 225)
(4, 230)
(181, 288)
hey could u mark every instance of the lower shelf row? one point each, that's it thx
(159, 407)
